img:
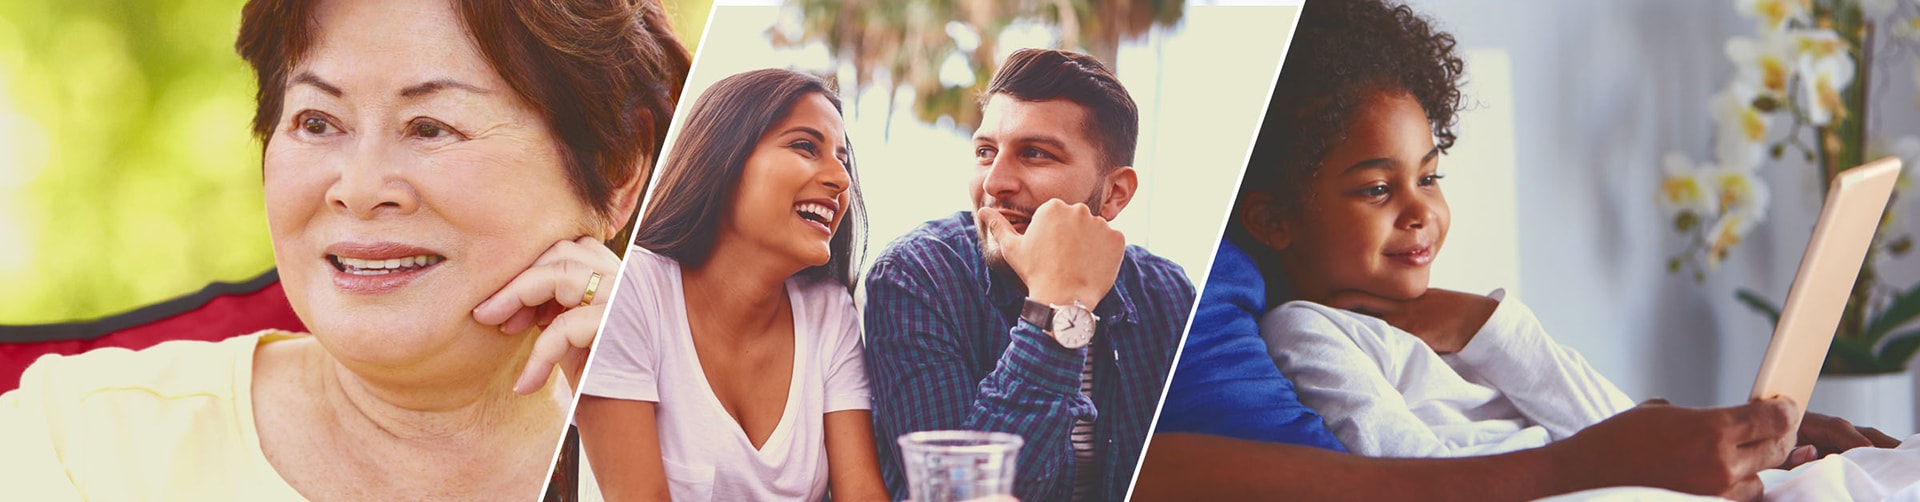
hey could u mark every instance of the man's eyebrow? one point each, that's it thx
(440, 84)
(308, 78)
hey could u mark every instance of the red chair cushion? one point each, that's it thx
(217, 312)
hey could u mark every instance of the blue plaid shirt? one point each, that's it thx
(946, 349)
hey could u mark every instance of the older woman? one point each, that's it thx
(439, 178)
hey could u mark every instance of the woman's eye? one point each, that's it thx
(316, 126)
(806, 146)
(1374, 191)
(431, 129)
(1431, 179)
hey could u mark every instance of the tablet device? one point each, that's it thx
(1854, 206)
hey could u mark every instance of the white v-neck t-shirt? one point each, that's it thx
(645, 353)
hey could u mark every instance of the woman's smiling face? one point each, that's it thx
(793, 188)
(406, 182)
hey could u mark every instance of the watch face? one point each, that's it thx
(1073, 326)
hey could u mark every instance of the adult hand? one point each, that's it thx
(1830, 434)
(1445, 319)
(1705, 451)
(1066, 255)
(549, 294)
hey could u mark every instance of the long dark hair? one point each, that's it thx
(702, 172)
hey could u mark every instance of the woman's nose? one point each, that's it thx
(838, 175)
(372, 183)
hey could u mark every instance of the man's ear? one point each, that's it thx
(1121, 183)
(626, 197)
(1259, 218)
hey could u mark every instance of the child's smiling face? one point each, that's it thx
(1373, 218)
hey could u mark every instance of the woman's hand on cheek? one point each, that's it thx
(553, 294)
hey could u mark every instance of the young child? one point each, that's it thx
(1342, 209)
(1362, 226)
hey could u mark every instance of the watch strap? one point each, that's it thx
(1038, 314)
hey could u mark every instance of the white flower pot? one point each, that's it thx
(1884, 402)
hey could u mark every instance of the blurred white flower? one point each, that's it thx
(1740, 191)
(1825, 66)
(1725, 234)
(1766, 62)
(1820, 43)
(1686, 187)
(1907, 148)
(1775, 14)
(1742, 128)
(1909, 29)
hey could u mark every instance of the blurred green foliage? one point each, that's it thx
(127, 171)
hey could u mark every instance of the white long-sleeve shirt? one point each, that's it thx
(1385, 393)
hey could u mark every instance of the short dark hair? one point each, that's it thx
(702, 173)
(605, 74)
(1044, 74)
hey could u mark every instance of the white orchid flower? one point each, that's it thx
(1740, 191)
(1909, 29)
(1766, 62)
(1725, 234)
(1907, 149)
(1742, 129)
(1825, 66)
(1775, 14)
(1686, 187)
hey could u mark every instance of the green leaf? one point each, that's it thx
(1853, 356)
(1754, 301)
(1905, 307)
(1901, 348)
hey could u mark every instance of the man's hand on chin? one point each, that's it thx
(1067, 254)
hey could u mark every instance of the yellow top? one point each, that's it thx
(172, 422)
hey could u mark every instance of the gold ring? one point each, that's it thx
(593, 284)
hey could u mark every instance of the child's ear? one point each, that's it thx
(1257, 215)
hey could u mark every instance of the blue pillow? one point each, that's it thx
(1225, 384)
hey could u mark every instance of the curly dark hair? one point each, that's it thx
(1343, 52)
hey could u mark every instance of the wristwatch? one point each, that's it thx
(1071, 325)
